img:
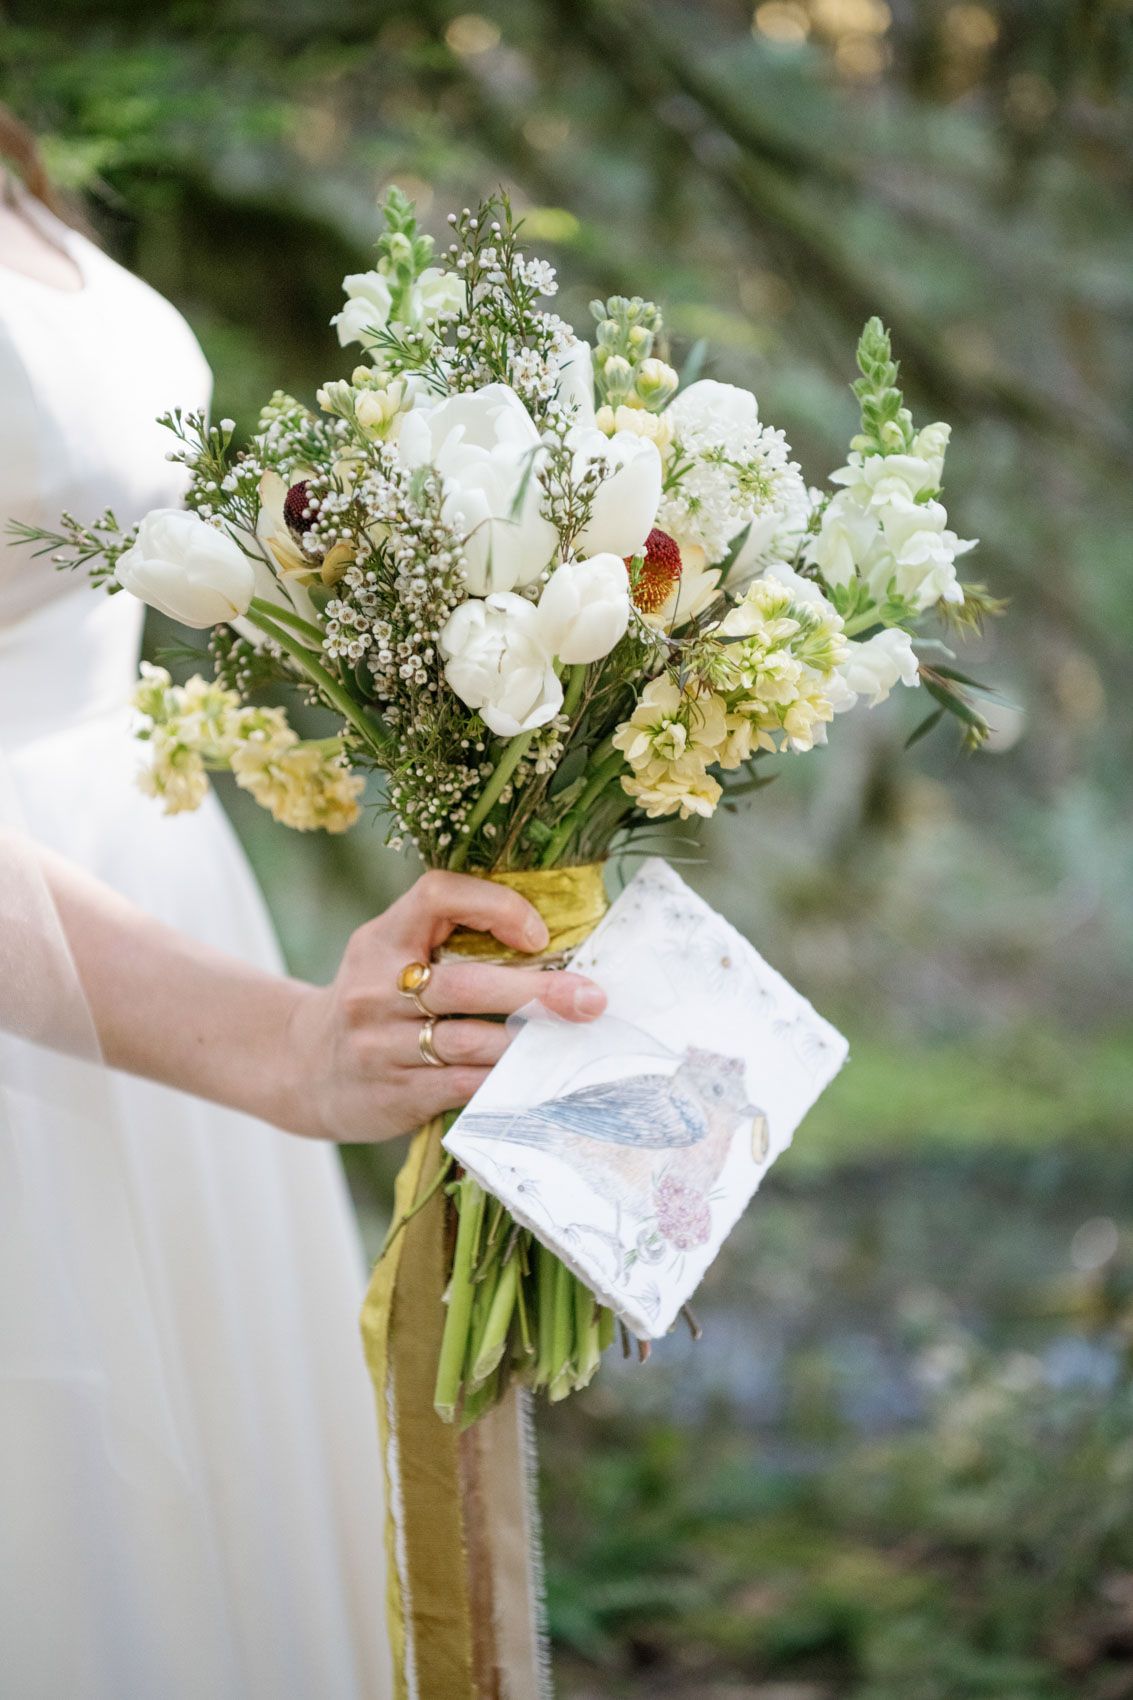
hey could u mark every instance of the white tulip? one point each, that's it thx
(496, 662)
(487, 449)
(187, 569)
(627, 499)
(584, 610)
(875, 664)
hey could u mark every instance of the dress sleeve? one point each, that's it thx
(79, 1307)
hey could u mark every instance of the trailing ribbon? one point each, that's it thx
(464, 1591)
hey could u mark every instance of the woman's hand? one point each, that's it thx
(351, 1066)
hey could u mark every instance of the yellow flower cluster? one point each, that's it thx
(672, 738)
(775, 657)
(307, 786)
(200, 728)
(766, 679)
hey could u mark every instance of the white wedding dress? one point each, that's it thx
(190, 1495)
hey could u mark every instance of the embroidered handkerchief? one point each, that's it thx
(631, 1145)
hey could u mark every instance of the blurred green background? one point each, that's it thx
(900, 1464)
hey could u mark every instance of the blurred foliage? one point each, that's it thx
(802, 1511)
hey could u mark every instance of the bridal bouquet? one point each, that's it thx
(551, 589)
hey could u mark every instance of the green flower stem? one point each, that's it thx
(525, 1347)
(589, 1349)
(433, 1187)
(546, 1264)
(334, 693)
(571, 821)
(478, 1400)
(562, 1333)
(862, 623)
(573, 690)
(275, 611)
(489, 796)
(450, 1368)
(489, 1347)
(607, 1325)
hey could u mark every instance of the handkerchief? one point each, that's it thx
(631, 1145)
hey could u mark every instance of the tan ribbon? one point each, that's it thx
(464, 1593)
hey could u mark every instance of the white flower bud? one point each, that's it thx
(495, 662)
(584, 610)
(187, 569)
(627, 499)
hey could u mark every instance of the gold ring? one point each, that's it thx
(426, 1046)
(411, 982)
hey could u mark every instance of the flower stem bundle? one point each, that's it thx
(514, 1311)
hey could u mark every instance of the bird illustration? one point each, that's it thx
(619, 1133)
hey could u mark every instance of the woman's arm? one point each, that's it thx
(335, 1062)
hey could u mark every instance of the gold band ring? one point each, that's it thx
(426, 1046)
(411, 982)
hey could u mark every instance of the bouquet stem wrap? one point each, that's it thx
(464, 1592)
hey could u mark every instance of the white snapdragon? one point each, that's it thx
(726, 469)
(496, 662)
(625, 505)
(584, 610)
(873, 665)
(371, 304)
(575, 385)
(369, 300)
(486, 448)
(187, 569)
(887, 525)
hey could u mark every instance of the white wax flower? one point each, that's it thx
(496, 662)
(187, 569)
(627, 499)
(486, 447)
(584, 610)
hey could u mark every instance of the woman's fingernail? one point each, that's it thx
(536, 934)
(588, 1000)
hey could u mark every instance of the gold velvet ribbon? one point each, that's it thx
(464, 1581)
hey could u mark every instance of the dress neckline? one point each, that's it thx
(60, 236)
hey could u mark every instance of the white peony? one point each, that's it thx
(496, 662)
(584, 610)
(187, 569)
(627, 499)
(875, 664)
(485, 446)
